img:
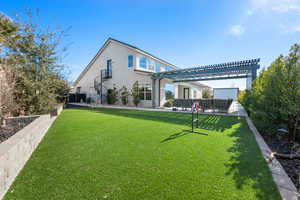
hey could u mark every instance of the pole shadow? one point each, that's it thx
(180, 134)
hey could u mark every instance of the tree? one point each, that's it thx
(135, 93)
(35, 57)
(8, 31)
(206, 93)
(124, 95)
(7, 84)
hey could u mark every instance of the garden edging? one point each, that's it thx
(15, 151)
(284, 184)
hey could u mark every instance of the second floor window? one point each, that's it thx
(109, 68)
(143, 62)
(167, 68)
(130, 60)
(157, 67)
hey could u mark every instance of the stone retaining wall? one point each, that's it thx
(15, 151)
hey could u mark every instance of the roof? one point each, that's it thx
(126, 45)
(145, 52)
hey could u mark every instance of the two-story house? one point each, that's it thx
(119, 64)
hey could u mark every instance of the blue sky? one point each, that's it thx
(185, 33)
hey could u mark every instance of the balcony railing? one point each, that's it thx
(106, 74)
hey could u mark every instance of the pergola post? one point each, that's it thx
(155, 93)
(249, 82)
(251, 77)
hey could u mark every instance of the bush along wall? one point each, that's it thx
(112, 95)
(274, 100)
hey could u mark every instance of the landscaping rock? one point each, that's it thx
(284, 146)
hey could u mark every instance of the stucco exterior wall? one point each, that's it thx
(122, 75)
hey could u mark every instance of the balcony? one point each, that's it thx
(106, 74)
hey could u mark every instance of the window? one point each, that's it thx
(130, 60)
(109, 68)
(143, 62)
(145, 92)
(157, 67)
(142, 93)
(148, 92)
(194, 94)
(167, 68)
(151, 65)
(169, 91)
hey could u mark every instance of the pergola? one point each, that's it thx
(232, 70)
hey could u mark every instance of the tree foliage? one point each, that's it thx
(274, 100)
(7, 84)
(34, 55)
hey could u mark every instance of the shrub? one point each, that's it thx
(124, 95)
(135, 93)
(89, 100)
(112, 95)
(169, 103)
(244, 99)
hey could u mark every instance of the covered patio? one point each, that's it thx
(246, 69)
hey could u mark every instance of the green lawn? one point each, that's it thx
(129, 154)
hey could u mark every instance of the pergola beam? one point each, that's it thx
(240, 67)
(210, 79)
(228, 70)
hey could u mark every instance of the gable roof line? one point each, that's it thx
(126, 45)
(142, 51)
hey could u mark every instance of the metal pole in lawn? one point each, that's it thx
(197, 115)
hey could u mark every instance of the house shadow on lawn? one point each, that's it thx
(247, 165)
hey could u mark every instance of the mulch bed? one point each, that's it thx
(284, 146)
(13, 125)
